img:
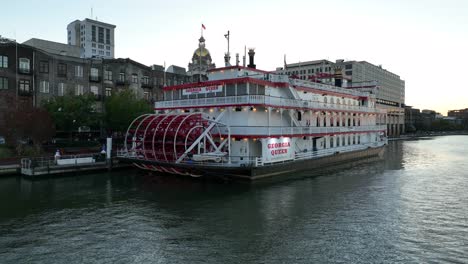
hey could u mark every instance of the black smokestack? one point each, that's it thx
(251, 59)
(338, 77)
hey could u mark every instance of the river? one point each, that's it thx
(411, 207)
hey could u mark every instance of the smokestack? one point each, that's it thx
(237, 59)
(251, 59)
(338, 77)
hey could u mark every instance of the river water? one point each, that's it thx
(411, 208)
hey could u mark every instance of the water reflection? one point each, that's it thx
(409, 207)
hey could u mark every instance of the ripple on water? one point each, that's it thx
(410, 208)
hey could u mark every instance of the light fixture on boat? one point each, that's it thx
(211, 110)
(245, 139)
(254, 109)
(266, 110)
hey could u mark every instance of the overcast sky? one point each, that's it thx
(425, 42)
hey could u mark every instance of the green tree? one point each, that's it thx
(70, 112)
(121, 108)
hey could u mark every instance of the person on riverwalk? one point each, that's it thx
(57, 155)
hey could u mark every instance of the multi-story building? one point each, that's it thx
(461, 115)
(317, 70)
(412, 119)
(95, 38)
(31, 74)
(390, 92)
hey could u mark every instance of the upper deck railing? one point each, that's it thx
(325, 87)
(272, 101)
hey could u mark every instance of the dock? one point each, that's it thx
(42, 166)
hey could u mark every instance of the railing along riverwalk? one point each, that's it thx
(66, 163)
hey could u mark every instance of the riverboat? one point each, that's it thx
(248, 123)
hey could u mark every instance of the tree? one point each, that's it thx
(26, 124)
(70, 112)
(121, 108)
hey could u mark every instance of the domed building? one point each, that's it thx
(201, 62)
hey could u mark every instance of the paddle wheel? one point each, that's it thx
(176, 138)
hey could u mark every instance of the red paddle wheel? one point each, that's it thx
(164, 137)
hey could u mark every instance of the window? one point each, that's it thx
(44, 87)
(78, 71)
(93, 33)
(134, 78)
(24, 86)
(44, 67)
(349, 72)
(145, 80)
(3, 62)
(93, 51)
(107, 47)
(108, 91)
(94, 72)
(62, 69)
(348, 66)
(93, 45)
(107, 53)
(3, 83)
(79, 89)
(101, 35)
(146, 95)
(101, 52)
(24, 65)
(122, 77)
(94, 90)
(61, 89)
(101, 46)
(108, 75)
(107, 36)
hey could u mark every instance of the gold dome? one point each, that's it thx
(204, 52)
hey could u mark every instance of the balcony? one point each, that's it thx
(121, 82)
(146, 85)
(24, 71)
(24, 92)
(98, 97)
(94, 78)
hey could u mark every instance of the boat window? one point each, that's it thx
(261, 89)
(241, 89)
(230, 90)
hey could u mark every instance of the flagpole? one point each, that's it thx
(200, 55)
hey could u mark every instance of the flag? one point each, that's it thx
(203, 26)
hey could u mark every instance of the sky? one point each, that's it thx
(425, 42)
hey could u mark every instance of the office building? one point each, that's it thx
(95, 38)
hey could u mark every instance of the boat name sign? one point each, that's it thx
(203, 90)
(277, 149)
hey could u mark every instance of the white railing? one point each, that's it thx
(305, 130)
(324, 87)
(265, 100)
(249, 161)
